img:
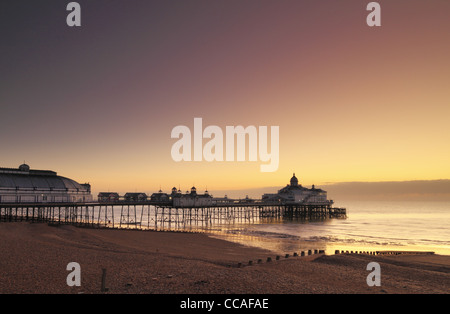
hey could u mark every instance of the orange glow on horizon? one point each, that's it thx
(352, 103)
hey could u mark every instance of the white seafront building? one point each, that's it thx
(296, 193)
(25, 185)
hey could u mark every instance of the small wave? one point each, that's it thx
(350, 238)
(263, 234)
(330, 239)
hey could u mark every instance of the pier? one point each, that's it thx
(42, 196)
(159, 216)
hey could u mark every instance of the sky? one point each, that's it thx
(97, 103)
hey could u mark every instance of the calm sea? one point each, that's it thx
(370, 225)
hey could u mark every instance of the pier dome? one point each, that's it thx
(24, 167)
(294, 180)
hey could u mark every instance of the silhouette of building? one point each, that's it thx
(25, 185)
(108, 197)
(223, 200)
(246, 200)
(296, 193)
(160, 197)
(191, 199)
(135, 197)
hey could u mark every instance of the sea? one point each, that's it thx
(369, 226)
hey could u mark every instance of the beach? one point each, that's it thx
(34, 259)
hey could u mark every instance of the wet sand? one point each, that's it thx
(34, 258)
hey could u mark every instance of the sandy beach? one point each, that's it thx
(34, 257)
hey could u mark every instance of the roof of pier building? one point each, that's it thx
(295, 187)
(24, 178)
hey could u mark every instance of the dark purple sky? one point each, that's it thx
(98, 102)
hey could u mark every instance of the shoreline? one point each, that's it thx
(35, 257)
(283, 245)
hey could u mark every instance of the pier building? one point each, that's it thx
(135, 197)
(296, 193)
(192, 199)
(25, 185)
(108, 197)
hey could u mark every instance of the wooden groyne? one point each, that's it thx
(381, 253)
